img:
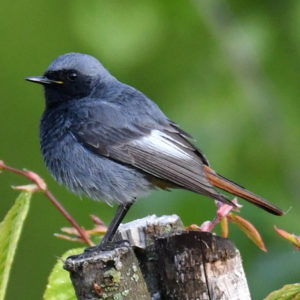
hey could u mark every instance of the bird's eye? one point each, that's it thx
(72, 75)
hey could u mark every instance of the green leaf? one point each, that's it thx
(59, 283)
(10, 231)
(288, 292)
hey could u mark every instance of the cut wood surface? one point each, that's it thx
(162, 261)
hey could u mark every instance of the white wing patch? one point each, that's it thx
(161, 142)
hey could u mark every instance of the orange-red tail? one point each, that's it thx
(233, 188)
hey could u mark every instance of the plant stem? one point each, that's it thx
(35, 178)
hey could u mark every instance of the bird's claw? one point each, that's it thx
(108, 246)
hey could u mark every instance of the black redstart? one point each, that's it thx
(106, 139)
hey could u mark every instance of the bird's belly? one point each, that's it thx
(100, 178)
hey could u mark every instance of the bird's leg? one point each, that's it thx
(110, 233)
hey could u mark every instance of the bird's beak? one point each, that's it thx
(43, 80)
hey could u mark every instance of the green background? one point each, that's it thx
(227, 72)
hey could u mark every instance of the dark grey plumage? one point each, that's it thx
(96, 137)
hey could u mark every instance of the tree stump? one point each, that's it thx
(163, 261)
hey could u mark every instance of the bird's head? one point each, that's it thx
(72, 76)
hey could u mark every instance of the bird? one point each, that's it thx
(108, 140)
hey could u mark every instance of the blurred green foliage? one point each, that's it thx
(59, 282)
(227, 72)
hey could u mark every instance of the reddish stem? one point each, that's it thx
(80, 230)
(43, 187)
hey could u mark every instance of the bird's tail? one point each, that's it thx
(225, 184)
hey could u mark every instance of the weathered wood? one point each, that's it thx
(142, 234)
(181, 258)
(107, 275)
(167, 263)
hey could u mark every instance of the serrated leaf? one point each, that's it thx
(59, 283)
(10, 231)
(249, 229)
(287, 292)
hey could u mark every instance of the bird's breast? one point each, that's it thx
(83, 171)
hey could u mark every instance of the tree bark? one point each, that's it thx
(163, 261)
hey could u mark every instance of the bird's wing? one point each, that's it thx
(163, 152)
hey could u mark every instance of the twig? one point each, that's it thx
(222, 212)
(42, 187)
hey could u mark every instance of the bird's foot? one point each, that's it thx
(108, 246)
